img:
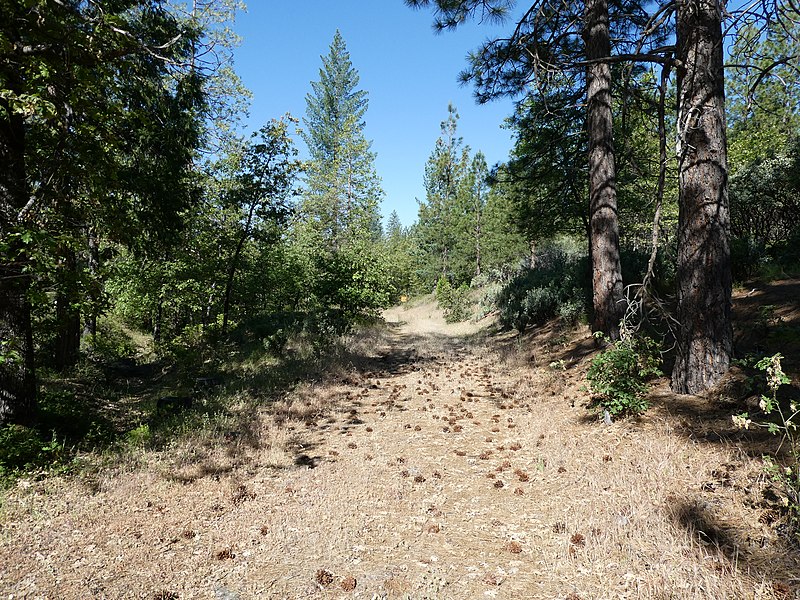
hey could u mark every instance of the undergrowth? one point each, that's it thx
(454, 302)
(555, 287)
(619, 375)
(105, 410)
(780, 419)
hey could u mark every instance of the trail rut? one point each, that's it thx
(436, 467)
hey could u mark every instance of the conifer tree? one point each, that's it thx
(476, 190)
(342, 186)
(444, 215)
(337, 231)
(542, 57)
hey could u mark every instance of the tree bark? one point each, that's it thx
(17, 375)
(705, 336)
(68, 319)
(234, 263)
(93, 263)
(607, 291)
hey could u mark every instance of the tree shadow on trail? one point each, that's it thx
(766, 321)
(763, 557)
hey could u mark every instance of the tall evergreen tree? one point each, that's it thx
(444, 215)
(342, 186)
(337, 231)
(541, 51)
(477, 191)
(607, 290)
(705, 336)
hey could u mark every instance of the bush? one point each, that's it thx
(557, 286)
(112, 342)
(748, 256)
(24, 449)
(787, 476)
(454, 302)
(619, 375)
(785, 254)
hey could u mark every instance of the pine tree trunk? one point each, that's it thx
(607, 292)
(68, 319)
(93, 263)
(705, 337)
(17, 375)
(232, 266)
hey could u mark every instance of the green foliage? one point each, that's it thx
(397, 250)
(557, 286)
(24, 449)
(342, 186)
(112, 342)
(75, 419)
(196, 351)
(139, 437)
(762, 90)
(356, 280)
(67, 423)
(454, 302)
(7, 352)
(231, 258)
(341, 268)
(764, 151)
(99, 128)
(618, 376)
(783, 422)
(765, 210)
(448, 232)
(748, 257)
(545, 176)
(785, 254)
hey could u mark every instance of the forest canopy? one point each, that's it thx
(131, 194)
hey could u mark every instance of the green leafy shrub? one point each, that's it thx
(454, 302)
(112, 342)
(557, 286)
(76, 419)
(619, 375)
(784, 257)
(139, 437)
(25, 449)
(323, 327)
(784, 423)
(748, 257)
(572, 310)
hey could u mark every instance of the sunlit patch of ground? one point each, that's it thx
(444, 461)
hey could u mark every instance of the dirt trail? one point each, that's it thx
(435, 468)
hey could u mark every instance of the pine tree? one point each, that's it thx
(477, 191)
(337, 232)
(445, 213)
(342, 186)
(399, 249)
(541, 57)
(705, 337)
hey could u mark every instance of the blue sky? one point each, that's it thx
(410, 73)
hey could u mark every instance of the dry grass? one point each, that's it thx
(433, 461)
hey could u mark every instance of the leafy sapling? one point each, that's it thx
(782, 422)
(618, 376)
